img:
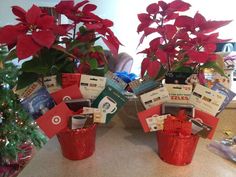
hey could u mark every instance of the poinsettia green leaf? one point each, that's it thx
(93, 63)
(184, 69)
(98, 48)
(99, 71)
(214, 66)
(35, 66)
(25, 79)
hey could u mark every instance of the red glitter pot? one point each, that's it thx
(175, 149)
(77, 144)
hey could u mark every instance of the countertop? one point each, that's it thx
(124, 151)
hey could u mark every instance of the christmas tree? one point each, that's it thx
(16, 126)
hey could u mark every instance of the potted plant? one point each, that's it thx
(178, 43)
(52, 48)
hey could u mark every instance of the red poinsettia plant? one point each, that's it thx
(181, 43)
(57, 48)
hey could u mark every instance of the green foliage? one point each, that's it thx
(16, 126)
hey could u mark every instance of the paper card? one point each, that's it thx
(91, 86)
(179, 93)
(51, 84)
(115, 81)
(156, 110)
(143, 85)
(27, 91)
(109, 101)
(68, 93)
(55, 120)
(38, 103)
(97, 114)
(76, 104)
(176, 77)
(69, 79)
(229, 95)
(209, 124)
(206, 99)
(155, 97)
(156, 122)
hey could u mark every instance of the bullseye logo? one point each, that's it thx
(65, 98)
(56, 120)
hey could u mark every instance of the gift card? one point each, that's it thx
(179, 93)
(147, 114)
(206, 99)
(156, 122)
(76, 104)
(115, 81)
(98, 116)
(55, 120)
(207, 122)
(29, 90)
(91, 86)
(175, 108)
(143, 85)
(229, 95)
(68, 93)
(109, 102)
(155, 97)
(38, 103)
(51, 84)
(69, 79)
(176, 77)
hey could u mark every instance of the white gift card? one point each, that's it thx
(29, 90)
(206, 100)
(51, 84)
(156, 122)
(179, 93)
(91, 86)
(155, 97)
(98, 116)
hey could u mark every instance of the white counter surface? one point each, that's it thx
(129, 152)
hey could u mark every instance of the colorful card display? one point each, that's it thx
(55, 120)
(91, 86)
(143, 85)
(229, 95)
(68, 93)
(155, 97)
(38, 103)
(115, 81)
(179, 93)
(109, 101)
(147, 114)
(206, 99)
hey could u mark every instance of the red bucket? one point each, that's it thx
(175, 149)
(77, 144)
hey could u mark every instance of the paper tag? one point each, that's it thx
(179, 93)
(143, 85)
(69, 79)
(206, 99)
(38, 103)
(26, 92)
(98, 116)
(156, 122)
(109, 101)
(115, 81)
(51, 84)
(91, 86)
(155, 97)
(229, 95)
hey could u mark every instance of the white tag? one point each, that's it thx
(98, 116)
(156, 122)
(179, 93)
(206, 100)
(91, 86)
(155, 97)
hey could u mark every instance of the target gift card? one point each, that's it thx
(55, 120)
